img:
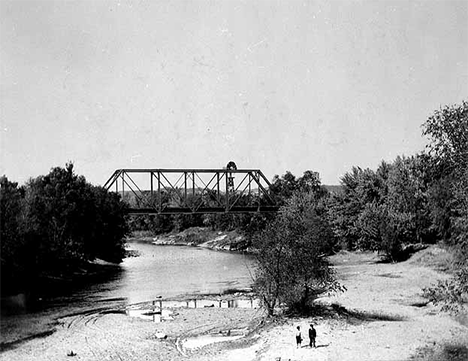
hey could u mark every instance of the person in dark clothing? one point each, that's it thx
(298, 337)
(312, 335)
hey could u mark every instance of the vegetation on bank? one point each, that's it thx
(53, 225)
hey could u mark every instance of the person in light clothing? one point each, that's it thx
(298, 337)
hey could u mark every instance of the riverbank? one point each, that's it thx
(200, 237)
(381, 316)
(42, 286)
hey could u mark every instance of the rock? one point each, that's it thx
(161, 335)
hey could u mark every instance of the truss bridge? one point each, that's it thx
(175, 191)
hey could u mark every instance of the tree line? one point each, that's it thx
(54, 224)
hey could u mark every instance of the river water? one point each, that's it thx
(170, 271)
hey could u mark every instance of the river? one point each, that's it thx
(170, 271)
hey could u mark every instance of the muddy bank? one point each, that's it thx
(201, 237)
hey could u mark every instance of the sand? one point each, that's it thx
(381, 316)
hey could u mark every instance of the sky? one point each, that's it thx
(271, 85)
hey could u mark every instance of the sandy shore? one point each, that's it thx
(382, 316)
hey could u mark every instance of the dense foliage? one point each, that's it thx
(448, 131)
(292, 264)
(385, 209)
(54, 223)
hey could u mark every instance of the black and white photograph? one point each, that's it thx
(234, 180)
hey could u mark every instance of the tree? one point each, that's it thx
(384, 229)
(292, 265)
(108, 226)
(63, 221)
(360, 187)
(447, 130)
(55, 223)
(284, 187)
(12, 252)
(408, 185)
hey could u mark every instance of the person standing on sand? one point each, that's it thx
(312, 335)
(298, 337)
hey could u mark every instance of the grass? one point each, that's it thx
(447, 352)
(436, 257)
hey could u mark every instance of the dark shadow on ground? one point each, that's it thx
(404, 254)
(5, 346)
(336, 311)
(318, 346)
(419, 304)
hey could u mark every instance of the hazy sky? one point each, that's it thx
(276, 85)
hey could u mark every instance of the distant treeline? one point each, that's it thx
(53, 225)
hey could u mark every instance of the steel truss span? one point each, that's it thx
(176, 191)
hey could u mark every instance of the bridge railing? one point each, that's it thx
(171, 191)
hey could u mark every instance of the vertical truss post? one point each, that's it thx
(185, 188)
(227, 191)
(151, 181)
(193, 185)
(159, 193)
(123, 185)
(217, 186)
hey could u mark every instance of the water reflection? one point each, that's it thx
(160, 310)
(150, 315)
(205, 303)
